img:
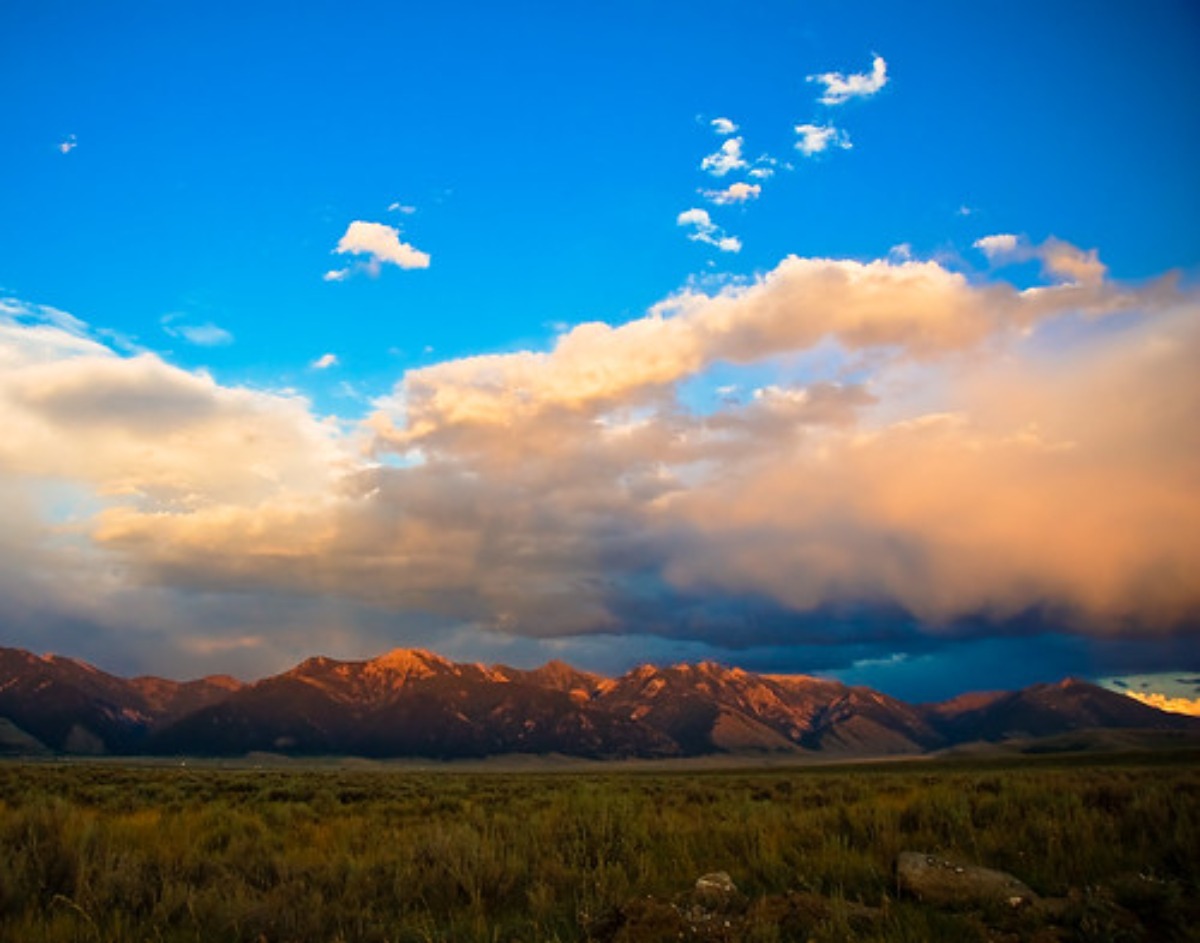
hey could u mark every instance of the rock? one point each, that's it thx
(713, 911)
(953, 884)
(715, 888)
(713, 900)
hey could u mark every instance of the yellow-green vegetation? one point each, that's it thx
(99, 852)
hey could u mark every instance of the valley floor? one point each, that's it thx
(112, 851)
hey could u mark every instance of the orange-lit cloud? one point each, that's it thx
(943, 455)
(1176, 705)
(734, 193)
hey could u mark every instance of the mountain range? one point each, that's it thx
(416, 703)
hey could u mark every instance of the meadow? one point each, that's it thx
(93, 851)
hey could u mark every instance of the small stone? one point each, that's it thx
(718, 883)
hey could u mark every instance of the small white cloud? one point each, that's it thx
(380, 244)
(336, 275)
(201, 335)
(728, 158)
(401, 208)
(206, 335)
(762, 173)
(734, 193)
(841, 88)
(68, 145)
(723, 126)
(900, 253)
(325, 361)
(705, 230)
(695, 217)
(815, 138)
(965, 210)
(999, 245)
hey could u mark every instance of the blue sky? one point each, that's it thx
(177, 177)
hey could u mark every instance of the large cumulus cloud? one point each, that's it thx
(961, 453)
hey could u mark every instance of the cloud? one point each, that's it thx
(401, 208)
(336, 275)
(999, 245)
(816, 138)
(1060, 260)
(734, 193)
(728, 158)
(723, 126)
(827, 494)
(206, 334)
(1176, 705)
(325, 361)
(68, 145)
(841, 88)
(139, 427)
(914, 310)
(920, 454)
(381, 244)
(705, 230)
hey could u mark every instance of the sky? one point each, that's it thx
(816, 337)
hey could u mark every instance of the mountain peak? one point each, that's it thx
(410, 662)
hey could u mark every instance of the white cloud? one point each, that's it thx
(381, 244)
(816, 138)
(735, 193)
(336, 275)
(841, 88)
(723, 126)
(401, 208)
(65, 147)
(705, 230)
(201, 335)
(998, 245)
(325, 361)
(694, 217)
(728, 158)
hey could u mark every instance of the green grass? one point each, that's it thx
(102, 852)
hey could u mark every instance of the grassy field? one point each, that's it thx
(107, 852)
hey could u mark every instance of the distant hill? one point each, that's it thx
(416, 703)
